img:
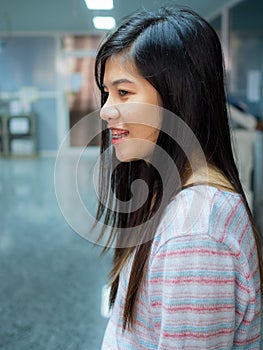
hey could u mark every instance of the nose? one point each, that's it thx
(109, 112)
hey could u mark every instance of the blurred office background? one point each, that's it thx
(52, 277)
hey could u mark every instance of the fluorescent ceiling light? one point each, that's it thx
(104, 22)
(99, 4)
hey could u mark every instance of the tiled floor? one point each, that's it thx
(51, 278)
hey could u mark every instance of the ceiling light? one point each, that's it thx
(104, 22)
(99, 4)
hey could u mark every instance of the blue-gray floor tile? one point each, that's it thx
(51, 278)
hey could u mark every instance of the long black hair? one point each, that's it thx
(180, 55)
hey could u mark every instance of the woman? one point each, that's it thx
(187, 261)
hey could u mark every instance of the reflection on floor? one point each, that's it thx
(51, 278)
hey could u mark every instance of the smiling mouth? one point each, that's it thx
(118, 135)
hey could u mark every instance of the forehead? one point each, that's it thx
(120, 65)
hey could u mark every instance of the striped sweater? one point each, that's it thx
(202, 286)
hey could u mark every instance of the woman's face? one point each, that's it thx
(131, 110)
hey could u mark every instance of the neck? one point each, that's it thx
(209, 175)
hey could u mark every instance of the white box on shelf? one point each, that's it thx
(22, 147)
(19, 125)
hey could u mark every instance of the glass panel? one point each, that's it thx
(82, 92)
(246, 51)
(28, 61)
(78, 42)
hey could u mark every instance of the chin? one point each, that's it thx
(125, 157)
(131, 152)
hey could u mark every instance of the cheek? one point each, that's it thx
(144, 132)
(142, 114)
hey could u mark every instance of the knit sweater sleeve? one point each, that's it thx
(197, 294)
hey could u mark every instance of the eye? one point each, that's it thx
(122, 93)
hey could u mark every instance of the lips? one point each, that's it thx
(118, 135)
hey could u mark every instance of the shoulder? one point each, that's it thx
(204, 211)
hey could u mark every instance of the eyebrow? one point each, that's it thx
(119, 81)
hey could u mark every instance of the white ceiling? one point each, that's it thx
(73, 16)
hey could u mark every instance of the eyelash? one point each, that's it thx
(122, 93)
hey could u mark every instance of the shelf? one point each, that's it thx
(18, 135)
